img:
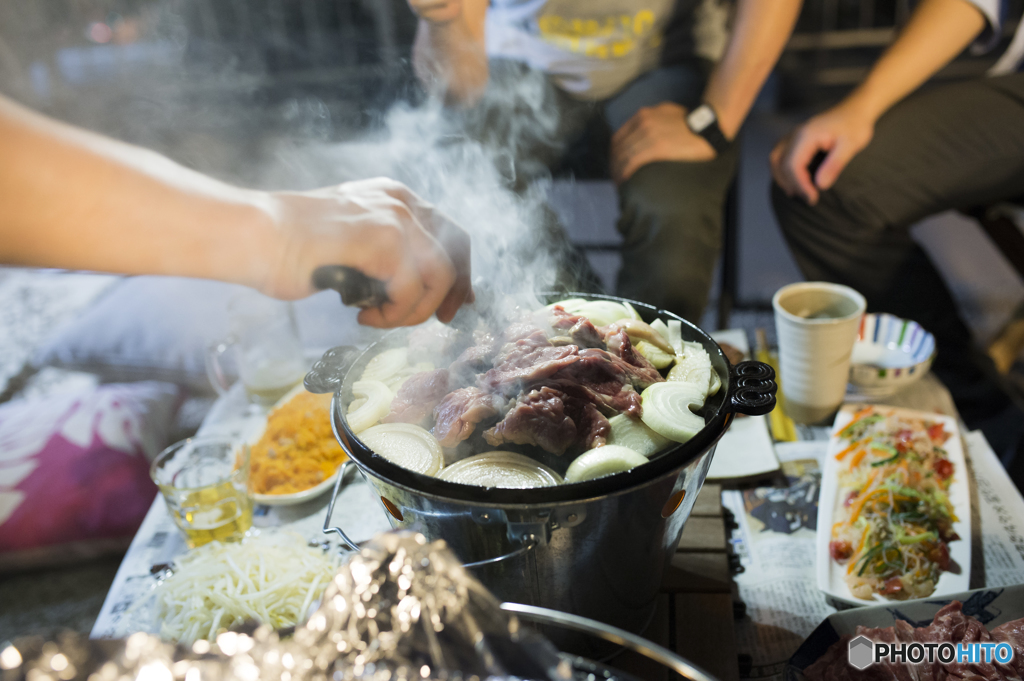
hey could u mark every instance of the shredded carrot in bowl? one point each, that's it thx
(297, 450)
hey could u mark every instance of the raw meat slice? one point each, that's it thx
(552, 420)
(418, 396)
(525, 362)
(457, 415)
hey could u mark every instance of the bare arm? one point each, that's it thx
(78, 200)
(660, 133)
(449, 54)
(760, 31)
(937, 32)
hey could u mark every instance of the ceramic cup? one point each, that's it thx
(816, 323)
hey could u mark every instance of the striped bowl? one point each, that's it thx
(890, 353)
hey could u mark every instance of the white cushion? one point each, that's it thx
(159, 328)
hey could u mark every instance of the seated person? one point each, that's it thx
(77, 200)
(625, 70)
(891, 160)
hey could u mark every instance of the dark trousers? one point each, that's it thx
(950, 147)
(670, 212)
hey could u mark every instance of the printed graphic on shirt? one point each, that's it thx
(609, 37)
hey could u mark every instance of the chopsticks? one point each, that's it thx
(783, 428)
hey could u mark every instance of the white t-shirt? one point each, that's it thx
(591, 48)
(995, 12)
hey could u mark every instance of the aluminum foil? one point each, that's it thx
(402, 608)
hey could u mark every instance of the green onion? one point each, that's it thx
(863, 559)
(892, 458)
(845, 432)
(917, 538)
(908, 492)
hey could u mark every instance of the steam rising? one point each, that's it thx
(486, 183)
(484, 168)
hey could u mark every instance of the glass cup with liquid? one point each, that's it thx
(264, 347)
(205, 483)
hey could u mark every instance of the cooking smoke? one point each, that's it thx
(476, 167)
(180, 91)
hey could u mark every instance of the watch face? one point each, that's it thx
(700, 118)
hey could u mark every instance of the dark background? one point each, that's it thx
(218, 84)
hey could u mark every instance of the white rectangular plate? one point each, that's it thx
(831, 574)
(992, 607)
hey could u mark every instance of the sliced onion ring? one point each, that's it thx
(386, 365)
(716, 384)
(599, 312)
(661, 327)
(376, 405)
(603, 461)
(693, 367)
(629, 431)
(675, 335)
(667, 409)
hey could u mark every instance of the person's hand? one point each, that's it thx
(840, 133)
(657, 133)
(437, 11)
(383, 229)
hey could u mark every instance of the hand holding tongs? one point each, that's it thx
(356, 288)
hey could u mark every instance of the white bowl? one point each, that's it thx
(296, 497)
(302, 495)
(890, 353)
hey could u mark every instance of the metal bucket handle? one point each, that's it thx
(528, 541)
(609, 633)
(345, 467)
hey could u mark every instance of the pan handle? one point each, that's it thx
(527, 542)
(329, 371)
(752, 388)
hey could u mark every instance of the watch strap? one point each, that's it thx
(712, 133)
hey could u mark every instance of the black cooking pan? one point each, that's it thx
(747, 388)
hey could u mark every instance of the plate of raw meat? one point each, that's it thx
(983, 615)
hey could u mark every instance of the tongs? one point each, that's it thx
(356, 288)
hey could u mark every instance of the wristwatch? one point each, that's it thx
(703, 121)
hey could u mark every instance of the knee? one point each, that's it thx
(838, 214)
(789, 210)
(667, 200)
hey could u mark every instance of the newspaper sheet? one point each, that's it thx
(775, 543)
(1002, 515)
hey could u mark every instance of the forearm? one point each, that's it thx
(77, 200)
(937, 32)
(760, 32)
(450, 57)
